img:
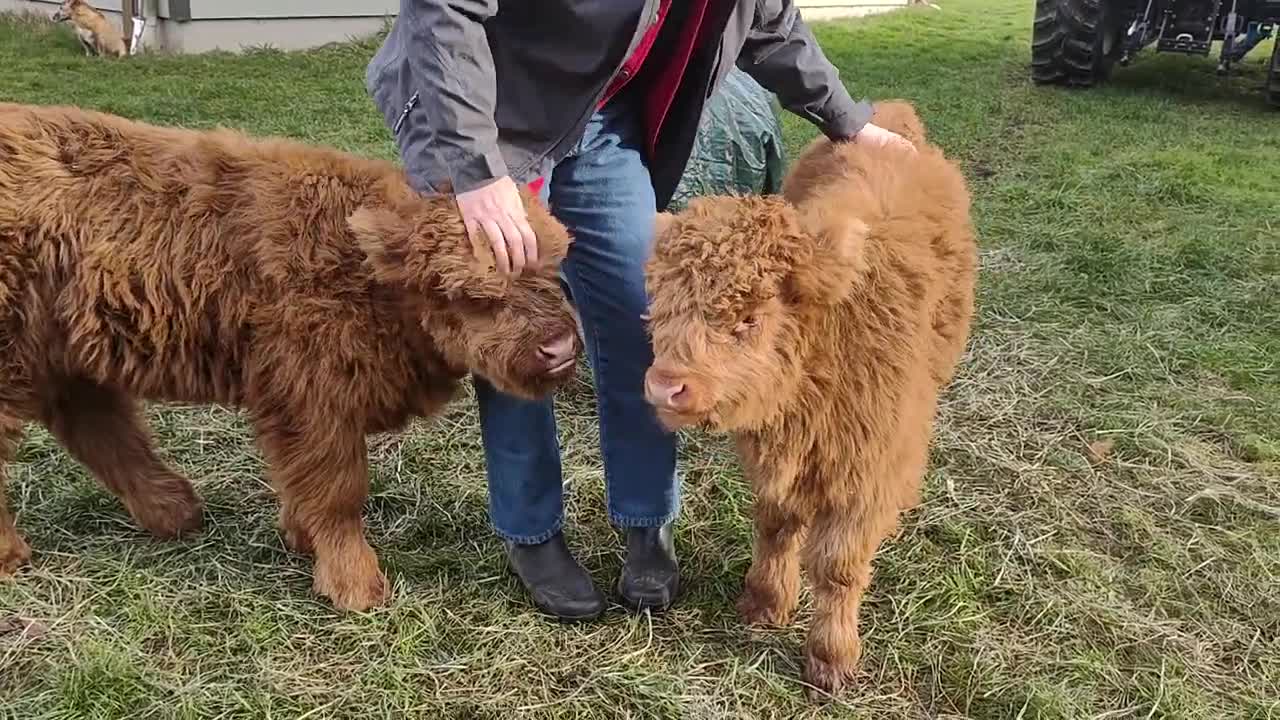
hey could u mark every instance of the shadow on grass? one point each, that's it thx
(1195, 80)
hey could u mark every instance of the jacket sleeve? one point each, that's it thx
(782, 55)
(445, 129)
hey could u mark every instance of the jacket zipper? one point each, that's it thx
(595, 99)
(408, 106)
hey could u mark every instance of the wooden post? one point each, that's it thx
(127, 13)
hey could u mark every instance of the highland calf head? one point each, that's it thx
(517, 332)
(733, 283)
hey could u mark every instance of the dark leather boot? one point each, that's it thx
(556, 582)
(651, 576)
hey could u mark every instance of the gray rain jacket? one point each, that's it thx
(478, 89)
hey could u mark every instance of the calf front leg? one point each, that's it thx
(838, 555)
(322, 479)
(772, 586)
(860, 511)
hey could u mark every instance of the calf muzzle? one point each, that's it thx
(558, 356)
(666, 390)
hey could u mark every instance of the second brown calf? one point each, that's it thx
(312, 288)
(818, 329)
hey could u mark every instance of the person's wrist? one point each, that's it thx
(846, 124)
(472, 171)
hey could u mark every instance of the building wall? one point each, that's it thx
(216, 9)
(235, 34)
(829, 9)
(203, 25)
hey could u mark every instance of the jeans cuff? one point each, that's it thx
(643, 522)
(542, 537)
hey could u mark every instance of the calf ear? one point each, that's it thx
(444, 259)
(553, 238)
(836, 243)
(384, 237)
(900, 116)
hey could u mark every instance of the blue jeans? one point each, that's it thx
(602, 193)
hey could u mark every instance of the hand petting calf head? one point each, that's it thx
(517, 332)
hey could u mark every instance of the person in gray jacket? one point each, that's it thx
(595, 105)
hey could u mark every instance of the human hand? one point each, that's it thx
(497, 209)
(873, 134)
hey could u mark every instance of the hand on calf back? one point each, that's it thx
(872, 134)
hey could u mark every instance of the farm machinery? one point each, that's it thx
(1077, 42)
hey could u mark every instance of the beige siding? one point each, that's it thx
(239, 9)
(296, 24)
(52, 5)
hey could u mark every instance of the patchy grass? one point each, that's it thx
(1100, 535)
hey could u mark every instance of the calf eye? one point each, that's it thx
(746, 325)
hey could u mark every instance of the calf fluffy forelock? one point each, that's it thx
(729, 258)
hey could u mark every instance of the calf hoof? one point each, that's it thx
(353, 587)
(762, 608)
(170, 512)
(354, 594)
(14, 553)
(825, 678)
(296, 539)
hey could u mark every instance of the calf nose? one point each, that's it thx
(559, 352)
(665, 391)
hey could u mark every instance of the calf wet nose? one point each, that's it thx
(665, 391)
(558, 353)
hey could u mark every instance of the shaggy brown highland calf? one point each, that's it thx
(818, 329)
(312, 288)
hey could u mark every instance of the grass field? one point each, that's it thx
(1100, 536)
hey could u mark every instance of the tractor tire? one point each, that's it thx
(1074, 42)
(1273, 77)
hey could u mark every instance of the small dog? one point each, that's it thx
(97, 35)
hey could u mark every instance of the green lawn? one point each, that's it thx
(1100, 536)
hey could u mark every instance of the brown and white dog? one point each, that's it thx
(96, 33)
